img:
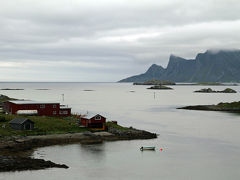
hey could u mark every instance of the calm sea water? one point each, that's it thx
(196, 144)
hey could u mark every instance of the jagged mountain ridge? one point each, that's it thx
(211, 66)
(154, 72)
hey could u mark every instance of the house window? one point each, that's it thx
(42, 106)
(63, 112)
(54, 106)
(98, 118)
(54, 112)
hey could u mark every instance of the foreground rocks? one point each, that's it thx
(14, 150)
(14, 163)
(11, 148)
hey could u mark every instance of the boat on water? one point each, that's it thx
(147, 148)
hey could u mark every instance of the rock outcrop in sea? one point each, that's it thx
(209, 90)
(159, 87)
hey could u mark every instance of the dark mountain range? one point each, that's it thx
(211, 66)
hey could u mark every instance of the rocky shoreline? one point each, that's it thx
(11, 147)
(159, 87)
(228, 107)
(16, 163)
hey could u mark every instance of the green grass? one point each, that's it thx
(110, 124)
(43, 125)
(235, 105)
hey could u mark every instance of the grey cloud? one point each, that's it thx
(127, 36)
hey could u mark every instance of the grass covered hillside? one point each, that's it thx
(43, 125)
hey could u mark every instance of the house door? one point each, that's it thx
(27, 126)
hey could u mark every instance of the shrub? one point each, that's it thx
(2, 119)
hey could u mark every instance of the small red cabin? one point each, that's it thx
(37, 108)
(96, 122)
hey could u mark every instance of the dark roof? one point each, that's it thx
(98, 115)
(90, 116)
(19, 121)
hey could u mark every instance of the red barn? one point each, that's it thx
(96, 122)
(35, 107)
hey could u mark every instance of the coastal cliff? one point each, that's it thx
(210, 66)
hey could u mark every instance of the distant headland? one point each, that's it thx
(229, 107)
(210, 66)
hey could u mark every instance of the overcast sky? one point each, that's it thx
(107, 40)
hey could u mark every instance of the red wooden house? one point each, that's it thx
(95, 122)
(37, 108)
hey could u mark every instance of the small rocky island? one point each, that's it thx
(155, 82)
(209, 90)
(11, 89)
(159, 87)
(229, 107)
(207, 84)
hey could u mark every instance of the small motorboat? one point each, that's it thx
(147, 148)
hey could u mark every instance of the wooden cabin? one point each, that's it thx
(96, 122)
(36, 108)
(21, 124)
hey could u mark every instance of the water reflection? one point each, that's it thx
(95, 152)
(196, 144)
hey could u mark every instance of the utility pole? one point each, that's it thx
(63, 97)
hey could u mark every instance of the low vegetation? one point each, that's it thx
(43, 125)
(232, 105)
(116, 126)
